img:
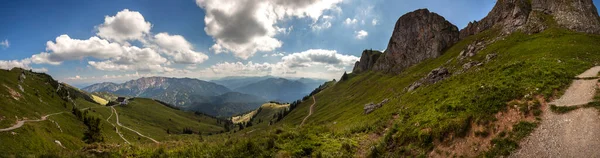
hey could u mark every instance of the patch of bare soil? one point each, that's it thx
(478, 139)
(370, 140)
(14, 94)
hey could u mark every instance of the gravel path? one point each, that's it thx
(116, 128)
(574, 134)
(22, 122)
(138, 133)
(310, 111)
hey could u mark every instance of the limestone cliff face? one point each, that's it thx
(506, 14)
(417, 36)
(576, 15)
(531, 16)
(367, 61)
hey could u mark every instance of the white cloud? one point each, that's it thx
(133, 59)
(316, 63)
(180, 49)
(375, 22)
(5, 43)
(349, 21)
(318, 56)
(244, 27)
(361, 34)
(126, 25)
(9, 64)
(66, 48)
(322, 24)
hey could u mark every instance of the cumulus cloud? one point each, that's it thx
(318, 56)
(361, 34)
(316, 59)
(133, 58)
(179, 48)
(126, 25)
(244, 27)
(5, 43)
(9, 64)
(323, 23)
(374, 22)
(349, 21)
(66, 48)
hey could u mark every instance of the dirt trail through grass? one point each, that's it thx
(116, 128)
(138, 133)
(574, 134)
(310, 111)
(22, 122)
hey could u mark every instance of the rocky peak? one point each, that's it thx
(367, 61)
(417, 36)
(576, 15)
(530, 16)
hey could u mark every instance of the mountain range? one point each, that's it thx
(210, 97)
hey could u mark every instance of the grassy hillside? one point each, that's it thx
(412, 123)
(33, 95)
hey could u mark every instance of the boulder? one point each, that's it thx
(372, 107)
(435, 76)
(417, 36)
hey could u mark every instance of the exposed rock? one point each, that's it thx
(532, 16)
(367, 60)
(372, 107)
(489, 57)
(506, 14)
(22, 77)
(471, 64)
(471, 50)
(576, 15)
(436, 75)
(417, 36)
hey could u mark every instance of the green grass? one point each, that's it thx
(504, 145)
(526, 66)
(40, 97)
(562, 109)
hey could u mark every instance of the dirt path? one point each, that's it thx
(116, 129)
(22, 122)
(574, 134)
(138, 133)
(310, 111)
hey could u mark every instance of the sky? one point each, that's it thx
(92, 41)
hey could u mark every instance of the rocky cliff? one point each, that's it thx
(367, 61)
(417, 36)
(532, 16)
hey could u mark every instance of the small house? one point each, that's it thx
(122, 100)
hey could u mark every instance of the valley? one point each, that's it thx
(522, 81)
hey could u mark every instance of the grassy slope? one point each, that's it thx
(153, 119)
(526, 65)
(36, 138)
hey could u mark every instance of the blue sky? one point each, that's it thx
(76, 42)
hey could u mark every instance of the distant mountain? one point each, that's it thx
(234, 82)
(227, 104)
(278, 89)
(311, 83)
(176, 91)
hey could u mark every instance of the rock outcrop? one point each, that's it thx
(436, 75)
(372, 107)
(367, 60)
(417, 36)
(576, 15)
(532, 16)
